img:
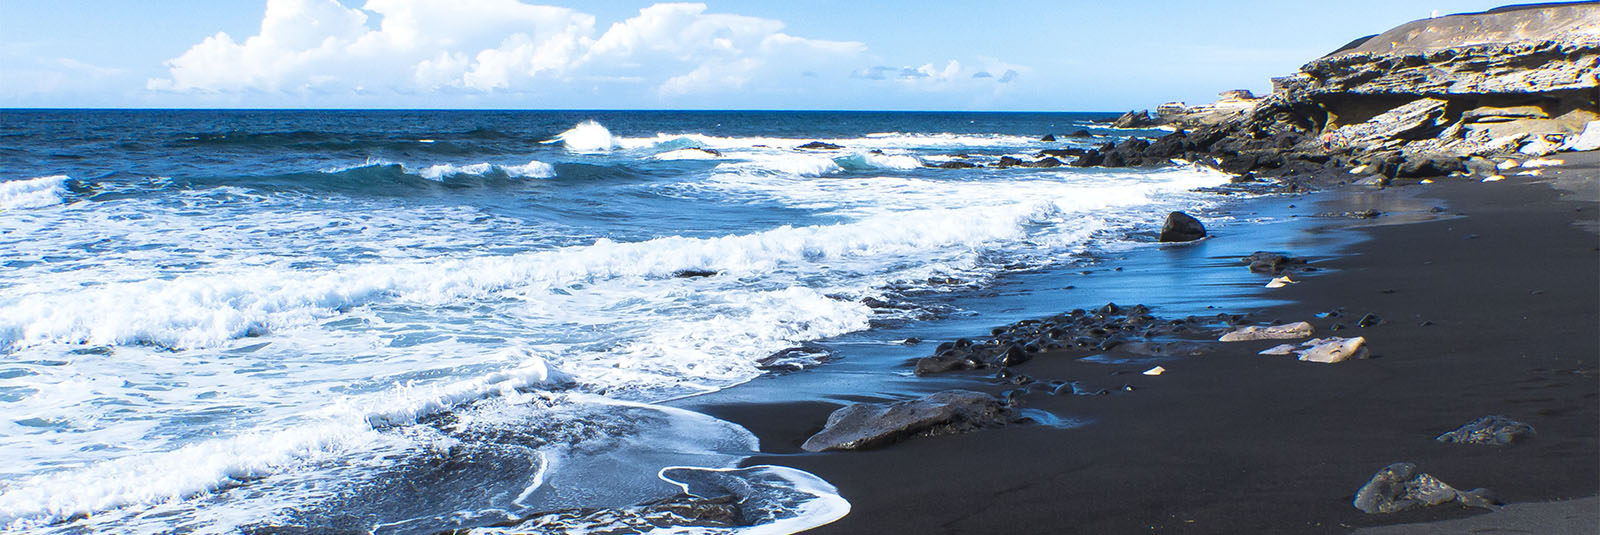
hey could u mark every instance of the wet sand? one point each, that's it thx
(1490, 306)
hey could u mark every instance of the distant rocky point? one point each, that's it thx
(1424, 98)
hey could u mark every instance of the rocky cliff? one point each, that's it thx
(1422, 98)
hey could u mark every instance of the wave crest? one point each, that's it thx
(33, 192)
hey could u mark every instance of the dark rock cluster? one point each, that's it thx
(1076, 333)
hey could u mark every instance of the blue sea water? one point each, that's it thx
(411, 321)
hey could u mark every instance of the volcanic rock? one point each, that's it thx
(1488, 430)
(1181, 227)
(869, 425)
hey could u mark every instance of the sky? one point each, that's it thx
(1031, 55)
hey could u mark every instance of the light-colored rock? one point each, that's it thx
(1405, 121)
(1503, 113)
(1540, 147)
(1568, 22)
(1334, 349)
(1280, 281)
(1588, 140)
(1280, 349)
(1288, 331)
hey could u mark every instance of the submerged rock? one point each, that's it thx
(795, 359)
(693, 273)
(1288, 331)
(818, 145)
(870, 425)
(1399, 487)
(1489, 430)
(1181, 227)
(1271, 263)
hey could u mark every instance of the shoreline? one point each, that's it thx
(1487, 312)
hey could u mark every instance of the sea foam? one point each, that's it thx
(33, 192)
(333, 432)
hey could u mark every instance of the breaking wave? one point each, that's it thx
(33, 192)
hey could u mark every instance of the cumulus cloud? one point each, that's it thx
(487, 46)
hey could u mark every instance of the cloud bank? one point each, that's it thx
(316, 48)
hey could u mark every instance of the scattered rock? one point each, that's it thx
(1288, 331)
(870, 425)
(1012, 161)
(1080, 133)
(1181, 227)
(1271, 263)
(1398, 487)
(1489, 430)
(954, 164)
(818, 145)
(1048, 138)
(1334, 349)
(1068, 152)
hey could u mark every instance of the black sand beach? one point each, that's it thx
(1488, 308)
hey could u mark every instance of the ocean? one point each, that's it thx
(415, 321)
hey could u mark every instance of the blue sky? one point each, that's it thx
(819, 54)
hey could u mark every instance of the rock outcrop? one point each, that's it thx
(1140, 119)
(1516, 79)
(1232, 104)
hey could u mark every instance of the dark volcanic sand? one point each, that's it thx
(1494, 312)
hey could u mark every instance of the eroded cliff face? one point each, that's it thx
(1520, 78)
(1521, 72)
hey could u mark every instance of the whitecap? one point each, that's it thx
(33, 192)
(532, 169)
(587, 136)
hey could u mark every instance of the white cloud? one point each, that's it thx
(323, 47)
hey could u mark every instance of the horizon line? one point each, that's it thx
(721, 110)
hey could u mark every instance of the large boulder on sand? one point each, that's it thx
(1182, 227)
(1400, 487)
(869, 425)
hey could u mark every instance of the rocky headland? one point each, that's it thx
(1452, 94)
